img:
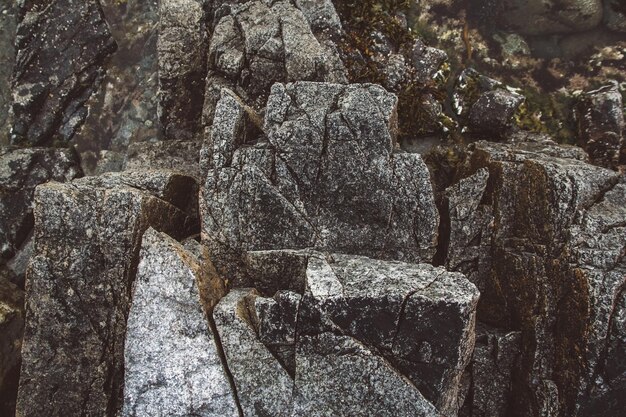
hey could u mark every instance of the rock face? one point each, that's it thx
(615, 15)
(11, 328)
(60, 46)
(182, 67)
(21, 170)
(326, 176)
(8, 22)
(536, 17)
(87, 241)
(256, 44)
(601, 122)
(172, 365)
(182, 156)
(352, 331)
(530, 225)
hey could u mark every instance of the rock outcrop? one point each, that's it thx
(326, 175)
(78, 289)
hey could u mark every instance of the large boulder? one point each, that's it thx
(540, 231)
(172, 364)
(326, 176)
(61, 46)
(390, 338)
(87, 241)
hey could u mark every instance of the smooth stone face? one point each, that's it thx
(21, 170)
(328, 177)
(87, 236)
(172, 364)
(56, 69)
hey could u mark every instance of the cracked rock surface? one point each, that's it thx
(326, 175)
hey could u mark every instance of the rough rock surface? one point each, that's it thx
(87, 240)
(172, 365)
(353, 314)
(8, 23)
(541, 233)
(327, 176)
(600, 115)
(11, 329)
(21, 170)
(182, 49)
(256, 44)
(615, 15)
(182, 156)
(61, 46)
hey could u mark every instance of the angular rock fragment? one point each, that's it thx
(327, 177)
(87, 240)
(11, 329)
(494, 110)
(427, 61)
(389, 338)
(21, 170)
(494, 361)
(172, 365)
(256, 44)
(543, 238)
(182, 49)
(61, 46)
(601, 122)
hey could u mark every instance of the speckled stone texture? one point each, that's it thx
(345, 344)
(327, 176)
(87, 240)
(61, 46)
(541, 233)
(172, 364)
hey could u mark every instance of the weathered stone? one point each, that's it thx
(264, 388)
(328, 177)
(256, 44)
(600, 117)
(11, 328)
(427, 61)
(61, 47)
(493, 111)
(87, 240)
(172, 365)
(547, 233)
(8, 23)
(494, 362)
(181, 156)
(285, 352)
(182, 51)
(537, 17)
(21, 170)
(124, 110)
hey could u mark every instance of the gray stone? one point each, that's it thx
(61, 47)
(124, 110)
(172, 365)
(321, 15)
(182, 50)
(327, 177)
(8, 23)
(546, 226)
(256, 44)
(264, 388)
(21, 170)
(181, 156)
(538, 17)
(11, 328)
(427, 61)
(87, 240)
(600, 115)
(494, 110)
(494, 361)
(615, 15)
